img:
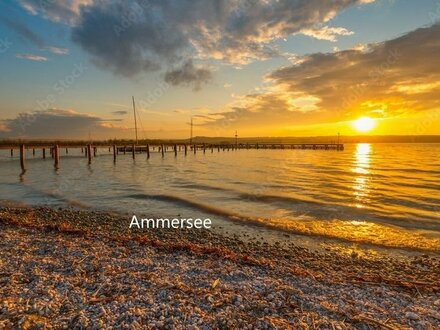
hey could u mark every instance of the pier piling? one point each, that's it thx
(56, 156)
(89, 153)
(22, 157)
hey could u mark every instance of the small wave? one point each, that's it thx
(317, 228)
(43, 195)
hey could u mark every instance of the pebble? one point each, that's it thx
(412, 316)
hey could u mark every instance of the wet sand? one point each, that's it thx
(84, 269)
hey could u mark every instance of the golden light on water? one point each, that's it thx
(361, 167)
(364, 124)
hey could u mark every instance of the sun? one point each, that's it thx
(364, 124)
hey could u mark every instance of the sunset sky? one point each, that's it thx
(262, 67)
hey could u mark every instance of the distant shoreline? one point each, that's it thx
(223, 140)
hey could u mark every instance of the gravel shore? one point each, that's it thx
(69, 269)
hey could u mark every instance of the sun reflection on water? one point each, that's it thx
(362, 168)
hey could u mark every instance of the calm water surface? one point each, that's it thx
(381, 194)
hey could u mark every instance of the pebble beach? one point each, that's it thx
(71, 269)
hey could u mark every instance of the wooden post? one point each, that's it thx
(56, 156)
(44, 153)
(163, 150)
(186, 149)
(22, 158)
(33, 151)
(82, 150)
(133, 151)
(67, 151)
(94, 151)
(195, 149)
(148, 151)
(114, 153)
(218, 148)
(85, 151)
(204, 148)
(12, 152)
(125, 149)
(89, 153)
(175, 150)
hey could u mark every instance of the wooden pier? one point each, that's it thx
(90, 151)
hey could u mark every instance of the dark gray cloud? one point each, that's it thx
(120, 112)
(56, 123)
(21, 29)
(134, 36)
(189, 75)
(395, 77)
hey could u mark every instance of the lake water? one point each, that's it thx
(385, 195)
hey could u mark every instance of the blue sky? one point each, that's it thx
(27, 84)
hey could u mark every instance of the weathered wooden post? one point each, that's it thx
(12, 152)
(186, 149)
(44, 153)
(94, 151)
(218, 148)
(89, 153)
(22, 158)
(133, 151)
(163, 150)
(82, 150)
(204, 148)
(56, 156)
(195, 149)
(67, 151)
(114, 153)
(125, 149)
(33, 152)
(175, 150)
(148, 151)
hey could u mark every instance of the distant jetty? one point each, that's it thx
(89, 151)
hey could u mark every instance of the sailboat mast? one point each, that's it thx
(135, 120)
(191, 137)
